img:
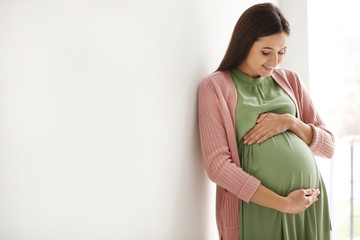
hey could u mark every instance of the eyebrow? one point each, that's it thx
(272, 48)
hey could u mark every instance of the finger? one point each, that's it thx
(308, 201)
(309, 191)
(265, 137)
(261, 117)
(313, 200)
(257, 137)
(314, 193)
(254, 136)
(252, 133)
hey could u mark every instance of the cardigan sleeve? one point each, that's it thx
(215, 147)
(323, 141)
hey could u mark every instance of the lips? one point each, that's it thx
(268, 67)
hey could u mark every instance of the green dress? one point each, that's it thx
(282, 163)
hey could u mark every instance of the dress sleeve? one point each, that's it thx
(215, 147)
(323, 141)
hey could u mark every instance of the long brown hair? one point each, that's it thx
(257, 21)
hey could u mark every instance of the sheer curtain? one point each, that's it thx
(334, 72)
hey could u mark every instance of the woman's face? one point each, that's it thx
(264, 55)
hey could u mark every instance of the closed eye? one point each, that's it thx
(267, 53)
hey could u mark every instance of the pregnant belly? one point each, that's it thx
(283, 163)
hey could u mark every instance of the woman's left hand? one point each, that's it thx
(267, 125)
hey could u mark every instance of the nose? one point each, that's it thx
(275, 60)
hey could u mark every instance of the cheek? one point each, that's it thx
(260, 60)
(263, 61)
(281, 58)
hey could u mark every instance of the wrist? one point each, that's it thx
(282, 204)
(289, 121)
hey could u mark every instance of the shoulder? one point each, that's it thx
(286, 74)
(219, 80)
(287, 77)
(216, 78)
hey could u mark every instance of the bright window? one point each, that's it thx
(334, 52)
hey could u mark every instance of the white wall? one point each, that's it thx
(98, 125)
(297, 55)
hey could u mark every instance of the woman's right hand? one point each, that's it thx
(299, 200)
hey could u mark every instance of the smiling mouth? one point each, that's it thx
(269, 67)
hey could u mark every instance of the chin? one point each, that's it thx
(266, 74)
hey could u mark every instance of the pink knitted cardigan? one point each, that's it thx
(217, 100)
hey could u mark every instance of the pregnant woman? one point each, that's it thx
(259, 133)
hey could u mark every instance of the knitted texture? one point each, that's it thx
(217, 99)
